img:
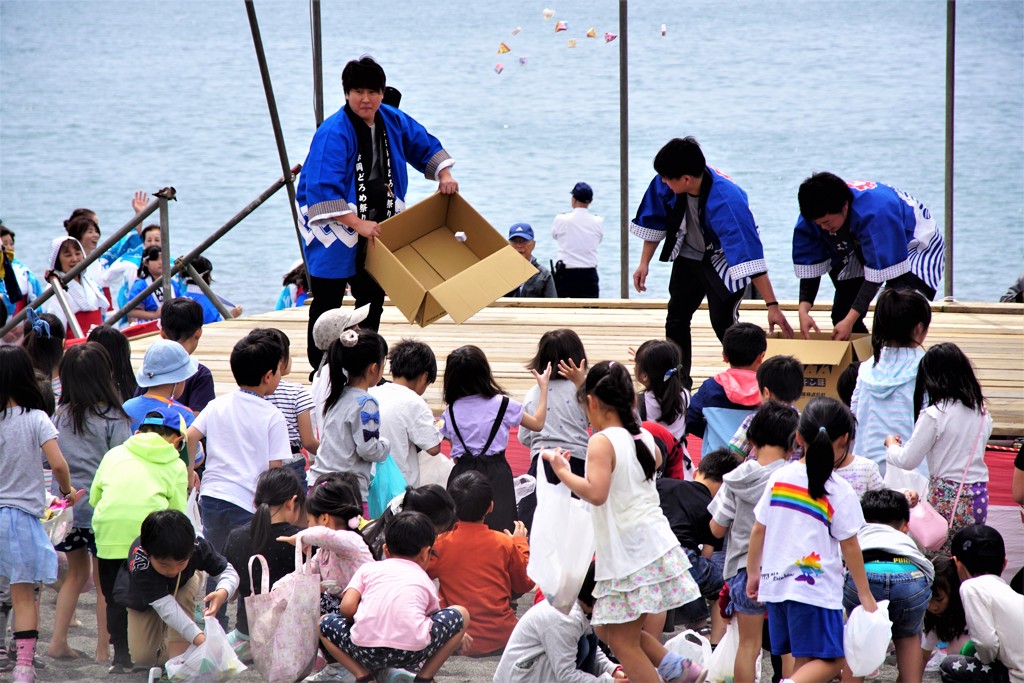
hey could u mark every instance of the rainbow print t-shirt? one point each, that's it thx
(801, 559)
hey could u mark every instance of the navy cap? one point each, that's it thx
(522, 230)
(583, 193)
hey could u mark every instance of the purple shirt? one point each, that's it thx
(475, 416)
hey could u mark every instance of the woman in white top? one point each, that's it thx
(950, 434)
(84, 296)
(640, 568)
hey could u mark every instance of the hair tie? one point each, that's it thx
(669, 373)
(349, 338)
(823, 430)
(39, 326)
(353, 523)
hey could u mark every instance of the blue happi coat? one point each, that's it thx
(729, 226)
(327, 185)
(891, 230)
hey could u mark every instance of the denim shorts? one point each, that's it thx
(908, 594)
(738, 600)
(706, 574)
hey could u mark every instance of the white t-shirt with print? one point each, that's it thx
(801, 559)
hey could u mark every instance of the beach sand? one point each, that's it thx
(83, 638)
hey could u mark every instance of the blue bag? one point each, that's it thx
(387, 483)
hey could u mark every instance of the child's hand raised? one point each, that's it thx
(290, 540)
(543, 379)
(572, 372)
(519, 530)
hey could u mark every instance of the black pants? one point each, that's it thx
(328, 294)
(846, 293)
(576, 283)
(117, 616)
(691, 281)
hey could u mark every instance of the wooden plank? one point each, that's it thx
(992, 335)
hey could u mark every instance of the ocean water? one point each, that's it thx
(99, 99)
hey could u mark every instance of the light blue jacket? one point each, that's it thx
(883, 401)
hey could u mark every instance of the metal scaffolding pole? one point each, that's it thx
(950, 82)
(318, 61)
(623, 151)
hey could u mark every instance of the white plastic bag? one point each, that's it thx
(899, 479)
(434, 469)
(722, 664)
(212, 662)
(561, 544)
(192, 511)
(692, 646)
(866, 638)
(524, 485)
(57, 519)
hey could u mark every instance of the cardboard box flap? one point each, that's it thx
(862, 347)
(808, 352)
(479, 285)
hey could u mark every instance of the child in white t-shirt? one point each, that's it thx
(405, 419)
(807, 524)
(245, 436)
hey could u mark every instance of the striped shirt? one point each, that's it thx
(292, 399)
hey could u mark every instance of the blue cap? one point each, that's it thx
(583, 193)
(165, 417)
(522, 230)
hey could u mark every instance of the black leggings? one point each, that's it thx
(117, 616)
(328, 294)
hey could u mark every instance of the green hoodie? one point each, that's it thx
(141, 476)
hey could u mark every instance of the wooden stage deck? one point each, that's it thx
(992, 335)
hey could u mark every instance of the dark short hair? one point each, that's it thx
(718, 463)
(679, 157)
(885, 506)
(980, 549)
(148, 228)
(277, 336)
(168, 535)
(555, 346)
(408, 533)
(774, 424)
(181, 318)
(743, 343)
(410, 358)
(898, 312)
(5, 231)
(253, 357)
(472, 494)
(361, 73)
(783, 376)
(467, 373)
(822, 194)
(847, 382)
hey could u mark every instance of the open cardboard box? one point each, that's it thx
(427, 272)
(823, 360)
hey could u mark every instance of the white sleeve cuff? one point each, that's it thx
(880, 276)
(812, 271)
(748, 269)
(646, 234)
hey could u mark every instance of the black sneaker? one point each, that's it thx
(117, 669)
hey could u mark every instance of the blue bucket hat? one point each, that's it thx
(165, 362)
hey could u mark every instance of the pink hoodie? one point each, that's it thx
(740, 386)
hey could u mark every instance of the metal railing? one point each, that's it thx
(57, 285)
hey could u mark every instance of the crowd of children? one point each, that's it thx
(778, 530)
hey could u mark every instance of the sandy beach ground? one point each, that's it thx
(83, 639)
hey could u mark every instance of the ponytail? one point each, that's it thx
(334, 498)
(660, 361)
(350, 356)
(273, 488)
(823, 421)
(611, 384)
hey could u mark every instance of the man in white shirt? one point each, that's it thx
(578, 234)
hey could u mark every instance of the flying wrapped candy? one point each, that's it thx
(609, 37)
(548, 13)
(522, 61)
(498, 68)
(460, 236)
(572, 42)
(516, 30)
(591, 33)
(664, 30)
(503, 48)
(561, 26)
